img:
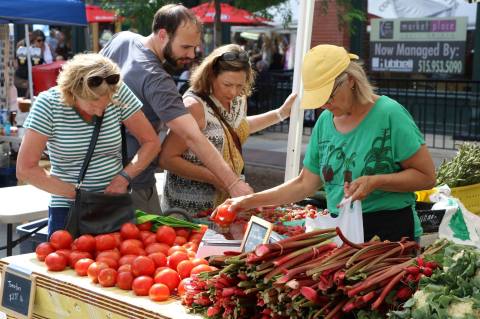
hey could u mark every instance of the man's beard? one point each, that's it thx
(171, 64)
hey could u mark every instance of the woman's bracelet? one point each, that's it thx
(235, 182)
(279, 115)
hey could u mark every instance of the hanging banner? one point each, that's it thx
(418, 45)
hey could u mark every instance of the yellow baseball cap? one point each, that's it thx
(321, 66)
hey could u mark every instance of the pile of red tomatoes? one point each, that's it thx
(152, 264)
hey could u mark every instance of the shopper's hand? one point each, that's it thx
(239, 189)
(286, 108)
(237, 204)
(360, 188)
(118, 185)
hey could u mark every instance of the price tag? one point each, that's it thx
(258, 232)
(17, 292)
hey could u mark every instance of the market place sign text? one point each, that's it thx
(426, 45)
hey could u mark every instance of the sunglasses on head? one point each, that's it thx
(95, 81)
(235, 56)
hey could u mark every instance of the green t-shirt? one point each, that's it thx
(385, 137)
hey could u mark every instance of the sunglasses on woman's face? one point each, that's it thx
(235, 56)
(96, 81)
(40, 40)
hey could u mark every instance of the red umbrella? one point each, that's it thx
(97, 14)
(206, 13)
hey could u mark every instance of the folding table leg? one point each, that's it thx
(9, 239)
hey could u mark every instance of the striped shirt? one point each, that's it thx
(69, 136)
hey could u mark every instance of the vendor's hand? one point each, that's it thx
(286, 108)
(239, 189)
(118, 185)
(360, 188)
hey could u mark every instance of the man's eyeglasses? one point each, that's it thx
(96, 81)
(234, 56)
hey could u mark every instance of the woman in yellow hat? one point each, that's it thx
(364, 146)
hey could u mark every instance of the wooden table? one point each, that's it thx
(68, 296)
(20, 204)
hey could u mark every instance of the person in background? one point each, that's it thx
(62, 120)
(363, 146)
(144, 62)
(52, 40)
(218, 101)
(37, 40)
(62, 51)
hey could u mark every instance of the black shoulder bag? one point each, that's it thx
(98, 213)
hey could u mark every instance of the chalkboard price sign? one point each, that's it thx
(17, 291)
(258, 232)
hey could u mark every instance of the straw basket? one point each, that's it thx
(469, 196)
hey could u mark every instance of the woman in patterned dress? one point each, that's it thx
(218, 101)
(61, 119)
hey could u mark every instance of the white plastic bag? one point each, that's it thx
(349, 220)
(458, 224)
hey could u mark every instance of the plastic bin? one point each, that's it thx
(469, 196)
(29, 245)
(45, 76)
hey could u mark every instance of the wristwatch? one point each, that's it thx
(126, 176)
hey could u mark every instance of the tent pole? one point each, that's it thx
(295, 133)
(29, 62)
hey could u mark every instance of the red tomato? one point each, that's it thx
(168, 277)
(143, 266)
(112, 263)
(159, 292)
(131, 247)
(174, 259)
(77, 255)
(184, 268)
(113, 253)
(157, 248)
(129, 231)
(65, 253)
(144, 234)
(191, 246)
(94, 269)
(105, 242)
(86, 243)
(200, 268)
(145, 226)
(166, 234)
(141, 285)
(174, 249)
(191, 254)
(159, 269)
(195, 238)
(61, 239)
(81, 266)
(118, 238)
(55, 262)
(183, 232)
(107, 277)
(124, 280)
(159, 259)
(150, 239)
(179, 240)
(199, 261)
(126, 259)
(42, 250)
(181, 286)
(125, 268)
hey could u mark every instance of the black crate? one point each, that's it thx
(29, 245)
(431, 219)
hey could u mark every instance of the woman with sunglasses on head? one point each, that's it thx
(218, 101)
(363, 146)
(62, 119)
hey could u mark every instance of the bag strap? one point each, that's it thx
(124, 146)
(230, 129)
(98, 122)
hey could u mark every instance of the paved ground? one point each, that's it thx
(265, 156)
